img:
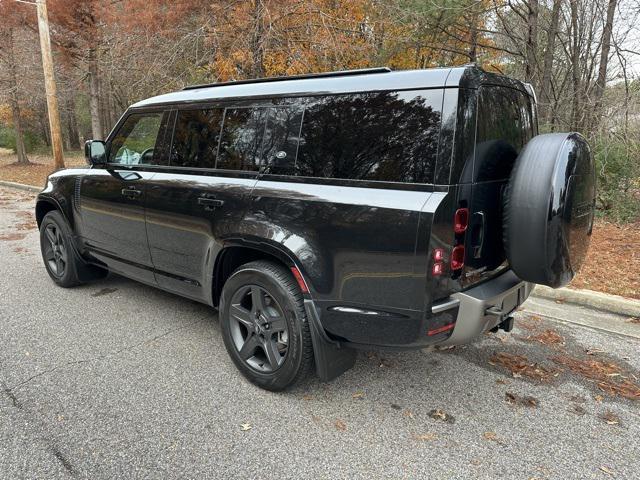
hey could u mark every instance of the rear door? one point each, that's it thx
(111, 199)
(504, 125)
(196, 202)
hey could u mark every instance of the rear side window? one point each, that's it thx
(504, 126)
(386, 136)
(281, 136)
(195, 138)
(241, 142)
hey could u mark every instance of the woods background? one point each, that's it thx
(582, 57)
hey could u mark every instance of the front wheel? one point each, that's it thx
(57, 250)
(264, 325)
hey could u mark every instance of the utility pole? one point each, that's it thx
(50, 85)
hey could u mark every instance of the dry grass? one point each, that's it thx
(613, 262)
(35, 173)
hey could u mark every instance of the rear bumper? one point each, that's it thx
(484, 307)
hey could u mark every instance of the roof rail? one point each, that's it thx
(341, 73)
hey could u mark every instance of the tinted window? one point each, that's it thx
(195, 138)
(136, 139)
(390, 136)
(281, 137)
(241, 143)
(504, 126)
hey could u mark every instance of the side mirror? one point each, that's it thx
(95, 153)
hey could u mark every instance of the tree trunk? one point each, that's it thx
(575, 66)
(530, 68)
(257, 40)
(15, 105)
(604, 61)
(17, 125)
(545, 94)
(94, 97)
(72, 124)
(473, 41)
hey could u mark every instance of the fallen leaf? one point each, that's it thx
(502, 381)
(607, 470)
(245, 426)
(599, 398)
(358, 395)
(408, 413)
(611, 418)
(593, 351)
(425, 437)
(340, 425)
(307, 397)
(634, 320)
(492, 436)
(525, 401)
(438, 414)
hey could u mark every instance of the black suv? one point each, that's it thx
(326, 213)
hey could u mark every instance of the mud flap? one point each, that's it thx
(332, 359)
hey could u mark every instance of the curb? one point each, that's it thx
(591, 299)
(20, 186)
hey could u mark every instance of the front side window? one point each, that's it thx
(385, 136)
(241, 142)
(195, 138)
(135, 142)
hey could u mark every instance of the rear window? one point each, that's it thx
(504, 126)
(241, 142)
(386, 136)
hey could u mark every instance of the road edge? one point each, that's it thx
(20, 186)
(591, 299)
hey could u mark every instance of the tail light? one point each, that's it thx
(438, 262)
(461, 220)
(457, 257)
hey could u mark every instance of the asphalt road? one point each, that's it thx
(119, 380)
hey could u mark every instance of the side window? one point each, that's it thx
(241, 142)
(135, 142)
(195, 138)
(504, 126)
(281, 136)
(386, 136)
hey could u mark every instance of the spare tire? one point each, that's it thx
(548, 209)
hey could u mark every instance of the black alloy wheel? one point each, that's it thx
(258, 328)
(54, 250)
(264, 325)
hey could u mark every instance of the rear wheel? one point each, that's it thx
(264, 325)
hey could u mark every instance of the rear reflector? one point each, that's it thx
(444, 328)
(437, 269)
(457, 257)
(461, 220)
(301, 283)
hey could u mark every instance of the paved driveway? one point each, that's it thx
(119, 380)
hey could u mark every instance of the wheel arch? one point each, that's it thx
(45, 205)
(237, 253)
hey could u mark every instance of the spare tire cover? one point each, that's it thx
(549, 207)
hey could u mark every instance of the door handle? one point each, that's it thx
(209, 202)
(131, 192)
